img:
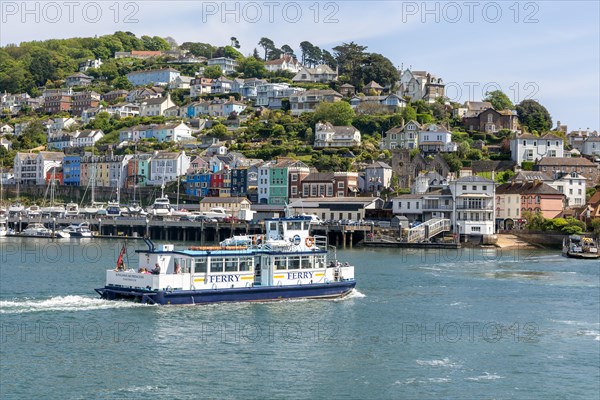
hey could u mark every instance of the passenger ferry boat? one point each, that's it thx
(575, 246)
(285, 263)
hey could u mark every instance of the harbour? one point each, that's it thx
(421, 323)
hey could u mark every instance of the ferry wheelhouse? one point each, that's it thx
(285, 263)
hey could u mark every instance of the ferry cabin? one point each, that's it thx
(286, 255)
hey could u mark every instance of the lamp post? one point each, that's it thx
(147, 228)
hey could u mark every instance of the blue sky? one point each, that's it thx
(546, 50)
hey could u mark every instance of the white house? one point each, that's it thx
(572, 185)
(227, 65)
(161, 77)
(321, 73)
(263, 181)
(270, 94)
(409, 205)
(591, 146)
(473, 205)
(221, 85)
(435, 138)
(156, 106)
(180, 82)
(420, 85)
(528, 147)
(327, 135)
(167, 166)
(59, 124)
(88, 137)
(377, 176)
(284, 63)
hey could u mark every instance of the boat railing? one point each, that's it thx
(320, 241)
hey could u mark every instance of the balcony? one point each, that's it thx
(481, 207)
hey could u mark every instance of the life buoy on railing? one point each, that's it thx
(309, 241)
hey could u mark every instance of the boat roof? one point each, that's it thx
(233, 253)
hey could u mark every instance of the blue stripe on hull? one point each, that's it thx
(257, 293)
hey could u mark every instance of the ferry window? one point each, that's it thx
(280, 263)
(246, 264)
(216, 265)
(306, 262)
(231, 265)
(200, 265)
(294, 263)
(272, 226)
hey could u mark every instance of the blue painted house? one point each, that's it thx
(72, 170)
(198, 184)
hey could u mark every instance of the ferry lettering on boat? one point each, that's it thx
(285, 263)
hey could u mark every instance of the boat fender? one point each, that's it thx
(309, 241)
(326, 280)
(192, 287)
(169, 289)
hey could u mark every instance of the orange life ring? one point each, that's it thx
(309, 241)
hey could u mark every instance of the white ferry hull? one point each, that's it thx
(329, 290)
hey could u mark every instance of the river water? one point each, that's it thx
(468, 324)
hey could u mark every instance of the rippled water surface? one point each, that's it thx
(477, 324)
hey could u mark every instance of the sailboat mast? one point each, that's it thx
(93, 180)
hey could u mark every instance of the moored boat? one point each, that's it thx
(575, 246)
(81, 230)
(285, 263)
(39, 230)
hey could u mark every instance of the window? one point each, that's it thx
(231, 265)
(216, 265)
(474, 187)
(200, 266)
(464, 187)
(408, 205)
(475, 229)
(294, 190)
(294, 177)
(340, 185)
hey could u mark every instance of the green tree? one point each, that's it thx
(252, 68)
(409, 113)
(375, 67)
(267, 44)
(339, 113)
(534, 116)
(213, 72)
(499, 100)
(349, 57)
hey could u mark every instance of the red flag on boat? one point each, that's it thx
(120, 263)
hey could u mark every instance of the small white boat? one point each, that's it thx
(93, 208)
(53, 211)
(71, 210)
(135, 209)
(218, 213)
(161, 207)
(33, 211)
(81, 230)
(113, 209)
(16, 209)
